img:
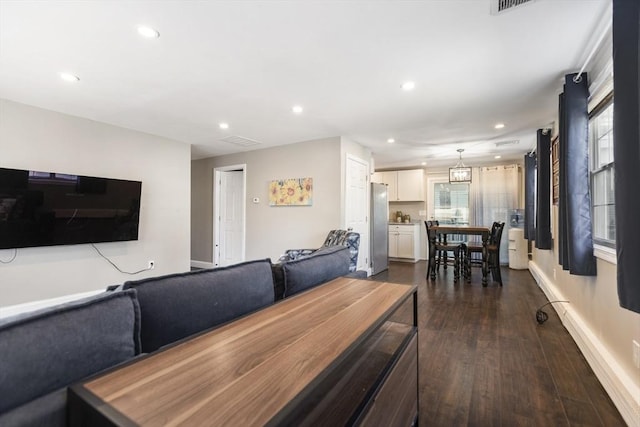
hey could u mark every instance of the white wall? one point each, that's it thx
(33, 138)
(273, 229)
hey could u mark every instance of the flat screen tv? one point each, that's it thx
(49, 208)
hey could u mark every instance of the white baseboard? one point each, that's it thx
(412, 260)
(202, 264)
(12, 310)
(624, 393)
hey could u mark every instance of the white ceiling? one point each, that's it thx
(248, 62)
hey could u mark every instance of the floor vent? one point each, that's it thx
(500, 6)
(240, 140)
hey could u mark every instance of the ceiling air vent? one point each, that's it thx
(240, 140)
(500, 6)
(513, 142)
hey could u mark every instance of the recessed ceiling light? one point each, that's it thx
(297, 109)
(497, 157)
(408, 86)
(148, 32)
(68, 77)
(499, 125)
(423, 163)
(391, 140)
(223, 125)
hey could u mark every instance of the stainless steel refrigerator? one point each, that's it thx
(379, 250)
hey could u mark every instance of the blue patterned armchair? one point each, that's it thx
(346, 238)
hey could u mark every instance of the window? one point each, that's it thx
(602, 174)
(52, 178)
(451, 204)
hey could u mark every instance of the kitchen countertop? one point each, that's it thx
(403, 223)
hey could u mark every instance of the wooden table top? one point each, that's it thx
(247, 371)
(461, 229)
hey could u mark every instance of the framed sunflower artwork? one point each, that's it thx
(291, 192)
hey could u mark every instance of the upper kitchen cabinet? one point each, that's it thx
(404, 186)
(390, 179)
(410, 186)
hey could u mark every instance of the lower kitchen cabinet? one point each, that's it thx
(404, 242)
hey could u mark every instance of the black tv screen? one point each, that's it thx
(49, 208)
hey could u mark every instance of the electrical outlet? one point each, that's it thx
(636, 354)
(152, 265)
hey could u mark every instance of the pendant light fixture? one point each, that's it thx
(460, 173)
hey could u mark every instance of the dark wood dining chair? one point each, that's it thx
(437, 254)
(442, 257)
(471, 258)
(439, 249)
(493, 252)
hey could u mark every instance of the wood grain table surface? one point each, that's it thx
(247, 371)
(462, 229)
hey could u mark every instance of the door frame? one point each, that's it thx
(217, 195)
(435, 178)
(367, 232)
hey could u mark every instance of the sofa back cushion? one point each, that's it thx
(278, 280)
(46, 350)
(323, 265)
(178, 305)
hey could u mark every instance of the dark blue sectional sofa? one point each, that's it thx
(324, 264)
(179, 305)
(43, 352)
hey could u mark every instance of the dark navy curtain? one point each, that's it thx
(626, 148)
(575, 200)
(529, 196)
(563, 249)
(543, 195)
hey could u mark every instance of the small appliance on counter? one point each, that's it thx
(402, 218)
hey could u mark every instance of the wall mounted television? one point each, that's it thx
(49, 208)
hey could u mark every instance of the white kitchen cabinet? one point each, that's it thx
(390, 179)
(404, 242)
(377, 177)
(404, 186)
(410, 185)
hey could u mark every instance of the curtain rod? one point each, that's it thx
(578, 77)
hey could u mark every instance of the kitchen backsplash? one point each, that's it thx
(411, 208)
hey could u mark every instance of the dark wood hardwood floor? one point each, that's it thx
(485, 361)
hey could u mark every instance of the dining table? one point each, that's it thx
(440, 233)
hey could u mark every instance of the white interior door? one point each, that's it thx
(229, 247)
(357, 205)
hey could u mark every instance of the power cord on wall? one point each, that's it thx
(118, 268)
(542, 316)
(15, 254)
